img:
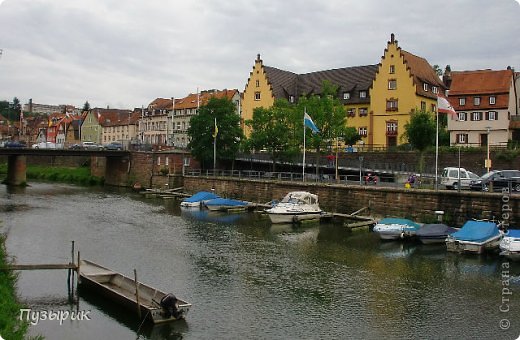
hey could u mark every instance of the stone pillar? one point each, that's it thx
(116, 171)
(16, 170)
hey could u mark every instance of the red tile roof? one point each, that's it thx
(422, 72)
(480, 82)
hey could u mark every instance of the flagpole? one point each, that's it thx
(215, 146)
(437, 148)
(303, 169)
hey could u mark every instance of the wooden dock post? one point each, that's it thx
(137, 294)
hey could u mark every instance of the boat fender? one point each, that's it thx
(169, 306)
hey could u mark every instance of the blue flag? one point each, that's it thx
(307, 121)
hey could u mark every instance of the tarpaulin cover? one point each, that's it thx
(435, 230)
(476, 231)
(201, 196)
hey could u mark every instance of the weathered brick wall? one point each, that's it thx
(383, 201)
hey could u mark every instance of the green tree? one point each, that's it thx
(273, 129)
(202, 131)
(420, 132)
(329, 115)
(86, 107)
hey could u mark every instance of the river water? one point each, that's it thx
(246, 278)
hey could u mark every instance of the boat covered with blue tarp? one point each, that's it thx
(198, 199)
(510, 245)
(475, 236)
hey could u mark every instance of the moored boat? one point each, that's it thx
(225, 204)
(510, 245)
(475, 237)
(296, 206)
(155, 305)
(391, 228)
(434, 233)
(198, 199)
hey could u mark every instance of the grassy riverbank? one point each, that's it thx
(79, 175)
(10, 325)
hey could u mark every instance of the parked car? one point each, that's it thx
(44, 145)
(91, 146)
(75, 146)
(450, 178)
(14, 144)
(497, 179)
(114, 146)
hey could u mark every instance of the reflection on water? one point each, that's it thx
(245, 277)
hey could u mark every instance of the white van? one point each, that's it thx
(450, 178)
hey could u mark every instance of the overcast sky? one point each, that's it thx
(124, 54)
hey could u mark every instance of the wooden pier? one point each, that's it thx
(39, 266)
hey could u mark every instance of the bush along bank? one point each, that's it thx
(79, 175)
(11, 327)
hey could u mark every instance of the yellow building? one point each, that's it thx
(378, 98)
(403, 83)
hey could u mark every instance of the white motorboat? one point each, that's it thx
(296, 206)
(510, 245)
(198, 199)
(396, 228)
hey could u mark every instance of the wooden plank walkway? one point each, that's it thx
(39, 266)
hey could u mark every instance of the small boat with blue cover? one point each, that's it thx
(225, 204)
(510, 245)
(391, 228)
(475, 237)
(198, 199)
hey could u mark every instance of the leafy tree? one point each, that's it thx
(329, 115)
(437, 70)
(420, 132)
(273, 129)
(202, 129)
(86, 107)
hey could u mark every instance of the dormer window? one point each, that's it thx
(462, 101)
(346, 95)
(362, 94)
(291, 99)
(492, 100)
(425, 87)
(435, 89)
(476, 101)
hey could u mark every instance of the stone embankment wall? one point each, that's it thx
(382, 201)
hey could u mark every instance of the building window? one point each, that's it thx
(351, 112)
(362, 94)
(435, 89)
(257, 83)
(391, 128)
(257, 95)
(423, 106)
(476, 101)
(362, 131)
(492, 100)
(346, 95)
(492, 115)
(434, 108)
(391, 104)
(462, 101)
(392, 69)
(425, 87)
(291, 99)
(476, 116)
(363, 111)
(392, 84)
(462, 138)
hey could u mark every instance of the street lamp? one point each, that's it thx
(488, 161)
(360, 167)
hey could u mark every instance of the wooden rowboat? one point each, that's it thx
(155, 305)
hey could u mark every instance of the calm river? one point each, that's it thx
(247, 279)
